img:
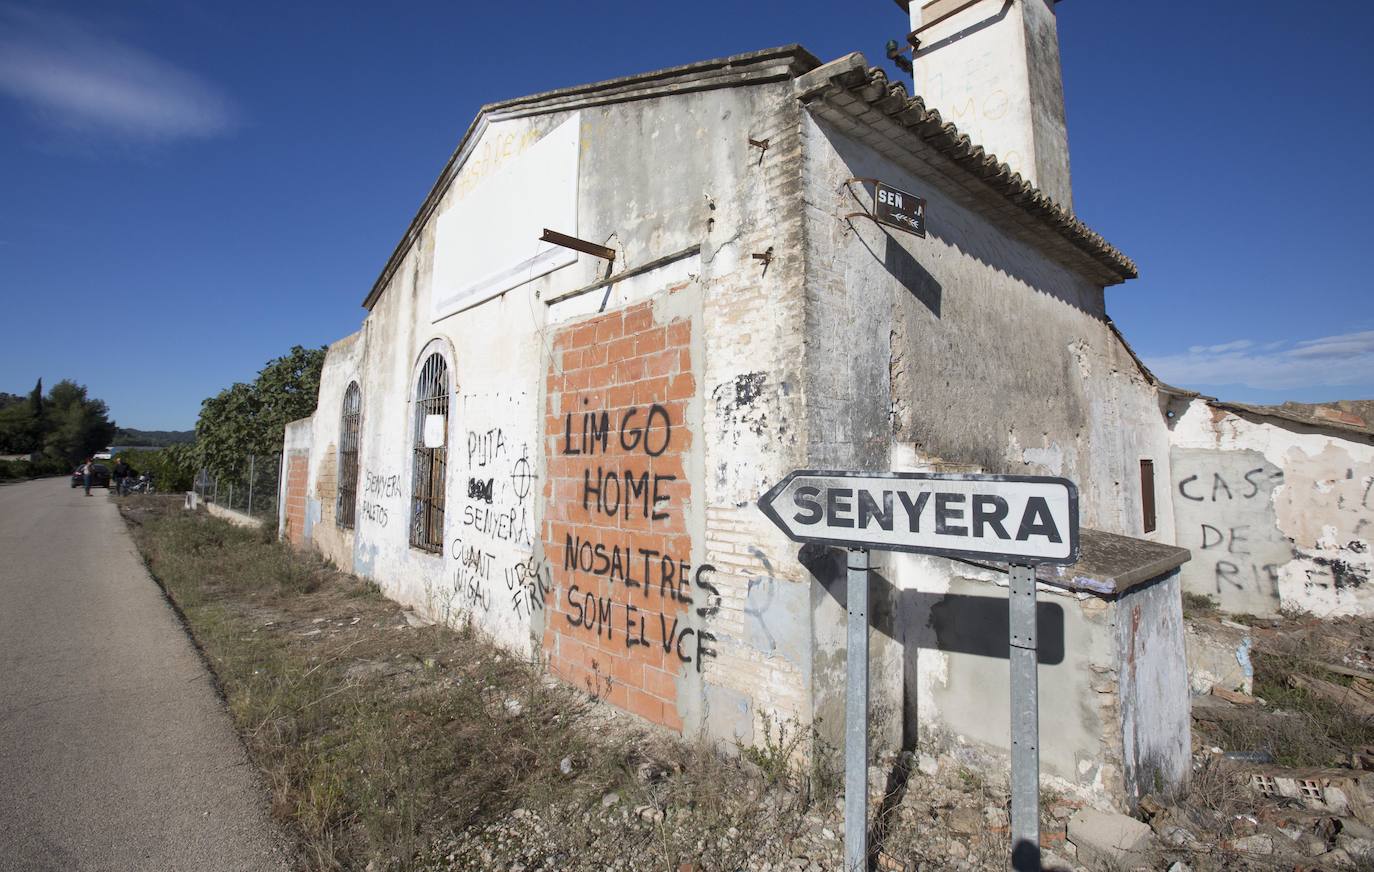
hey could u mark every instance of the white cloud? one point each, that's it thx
(1218, 349)
(1346, 359)
(76, 79)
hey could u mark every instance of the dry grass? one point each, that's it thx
(1297, 727)
(379, 741)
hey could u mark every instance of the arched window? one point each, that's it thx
(431, 455)
(347, 509)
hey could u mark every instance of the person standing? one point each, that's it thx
(87, 472)
(123, 475)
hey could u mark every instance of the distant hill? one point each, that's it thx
(152, 438)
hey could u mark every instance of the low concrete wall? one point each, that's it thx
(1152, 677)
(232, 516)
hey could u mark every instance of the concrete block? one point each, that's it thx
(1109, 837)
(1218, 656)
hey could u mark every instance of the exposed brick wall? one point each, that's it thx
(617, 493)
(297, 463)
(326, 485)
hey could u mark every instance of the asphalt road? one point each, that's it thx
(115, 751)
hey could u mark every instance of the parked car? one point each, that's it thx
(100, 476)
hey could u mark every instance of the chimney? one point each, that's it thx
(992, 68)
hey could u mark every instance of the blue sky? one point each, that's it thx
(188, 189)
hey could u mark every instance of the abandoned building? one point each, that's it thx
(564, 445)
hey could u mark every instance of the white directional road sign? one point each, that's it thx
(1017, 519)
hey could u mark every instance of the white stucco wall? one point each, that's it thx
(1276, 514)
(655, 177)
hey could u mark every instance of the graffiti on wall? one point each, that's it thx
(381, 491)
(497, 489)
(648, 584)
(494, 570)
(628, 608)
(1224, 513)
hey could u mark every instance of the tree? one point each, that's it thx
(36, 401)
(226, 429)
(17, 429)
(288, 389)
(73, 426)
(67, 425)
(251, 418)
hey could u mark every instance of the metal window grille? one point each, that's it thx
(346, 513)
(427, 491)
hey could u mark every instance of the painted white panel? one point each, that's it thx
(434, 430)
(488, 242)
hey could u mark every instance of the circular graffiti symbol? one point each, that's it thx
(522, 478)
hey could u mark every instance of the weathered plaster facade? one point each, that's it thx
(611, 427)
(1277, 512)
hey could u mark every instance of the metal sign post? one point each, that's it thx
(1022, 520)
(856, 717)
(1025, 721)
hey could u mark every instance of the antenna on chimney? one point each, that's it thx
(894, 54)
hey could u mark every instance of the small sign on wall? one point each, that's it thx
(899, 209)
(892, 207)
(435, 427)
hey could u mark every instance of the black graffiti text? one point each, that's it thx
(379, 486)
(644, 569)
(596, 613)
(635, 430)
(529, 583)
(481, 490)
(505, 525)
(485, 446)
(374, 513)
(1219, 489)
(624, 493)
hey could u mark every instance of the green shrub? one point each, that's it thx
(16, 470)
(172, 468)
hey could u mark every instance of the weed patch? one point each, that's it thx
(391, 746)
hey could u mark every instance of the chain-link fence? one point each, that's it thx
(253, 491)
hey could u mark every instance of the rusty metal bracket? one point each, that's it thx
(576, 244)
(761, 145)
(656, 263)
(766, 256)
(913, 38)
(864, 214)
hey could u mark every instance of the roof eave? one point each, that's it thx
(852, 92)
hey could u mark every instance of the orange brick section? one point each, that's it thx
(616, 494)
(296, 465)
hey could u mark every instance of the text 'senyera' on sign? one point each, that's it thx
(1017, 519)
(899, 209)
